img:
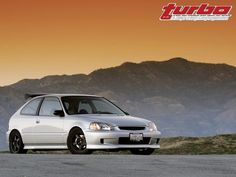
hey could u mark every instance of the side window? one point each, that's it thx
(32, 107)
(49, 105)
(84, 108)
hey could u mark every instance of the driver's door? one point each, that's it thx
(49, 127)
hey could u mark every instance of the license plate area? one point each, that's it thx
(137, 137)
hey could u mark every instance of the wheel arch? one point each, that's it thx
(14, 130)
(73, 128)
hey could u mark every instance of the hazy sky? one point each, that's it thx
(45, 37)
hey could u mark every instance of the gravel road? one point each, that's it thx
(57, 165)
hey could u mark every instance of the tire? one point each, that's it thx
(76, 142)
(147, 151)
(16, 145)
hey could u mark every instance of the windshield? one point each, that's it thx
(89, 105)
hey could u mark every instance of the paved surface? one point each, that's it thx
(43, 165)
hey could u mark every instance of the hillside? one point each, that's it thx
(184, 98)
(220, 144)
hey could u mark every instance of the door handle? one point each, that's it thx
(37, 121)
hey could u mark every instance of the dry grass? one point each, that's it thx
(220, 144)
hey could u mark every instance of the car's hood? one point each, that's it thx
(115, 120)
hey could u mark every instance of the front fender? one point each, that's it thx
(69, 125)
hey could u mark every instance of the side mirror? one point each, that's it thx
(59, 113)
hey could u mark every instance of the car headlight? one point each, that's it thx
(151, 127)
(100, 126)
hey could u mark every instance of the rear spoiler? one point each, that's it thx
(32, 95)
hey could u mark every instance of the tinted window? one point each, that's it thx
(32, 107)
(49, 105)
(89, 105)
(85, 108)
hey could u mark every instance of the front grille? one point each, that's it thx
(125, 140)
(131, 128)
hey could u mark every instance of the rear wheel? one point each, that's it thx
(147, 151)
(76, 142)
(16, 145)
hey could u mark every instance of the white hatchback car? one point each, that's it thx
(80, 123)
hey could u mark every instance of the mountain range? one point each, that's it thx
(183, 98)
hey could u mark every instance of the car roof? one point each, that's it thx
(34, 95)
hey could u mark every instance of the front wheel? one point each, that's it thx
(76, 142)
(147, 151)
(16, 145)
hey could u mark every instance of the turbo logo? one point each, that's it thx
(202, 12)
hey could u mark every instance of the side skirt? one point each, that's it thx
(53, 147)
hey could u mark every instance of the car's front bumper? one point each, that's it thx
(112, 146)
(110, 140)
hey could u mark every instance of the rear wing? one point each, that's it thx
(32, 95)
